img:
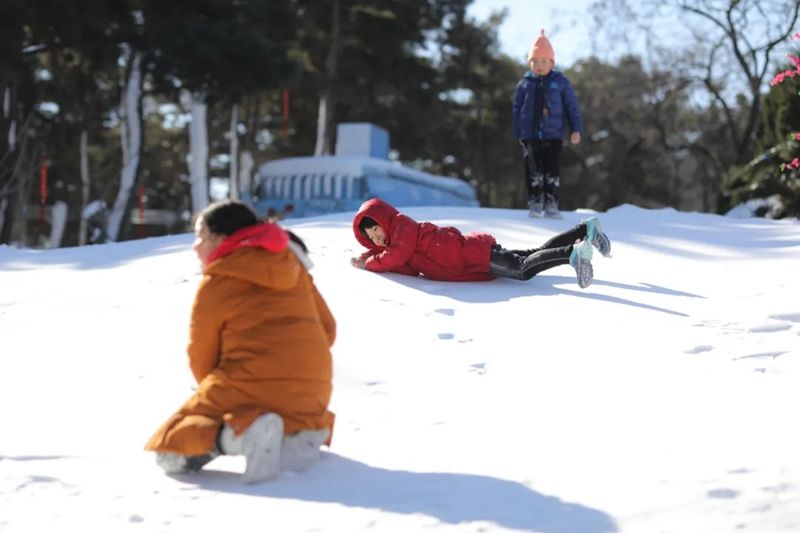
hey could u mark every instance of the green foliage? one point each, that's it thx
(768, 176)
(62, 55)
(422, 69)
(222, 48)
(781, 115)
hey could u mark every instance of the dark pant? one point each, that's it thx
(524, 264)
(542, 168)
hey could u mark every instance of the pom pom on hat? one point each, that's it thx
(541, 47)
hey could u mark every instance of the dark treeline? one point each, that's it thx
(139, 102)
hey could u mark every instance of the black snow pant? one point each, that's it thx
(542, 169)
(522, 265)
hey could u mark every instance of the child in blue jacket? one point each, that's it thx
(544, 99)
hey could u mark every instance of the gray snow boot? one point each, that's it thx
(175, 463)
(536, 207)
(581, 261)
(301, 450)
(260, 444)
(551, 207)
(551, 186)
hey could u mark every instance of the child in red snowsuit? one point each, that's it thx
(397, 243)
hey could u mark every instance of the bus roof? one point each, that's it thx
(347, 165)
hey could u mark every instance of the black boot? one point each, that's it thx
(536, 201)
(551, 186)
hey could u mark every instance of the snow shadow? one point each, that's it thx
(453, 498)
(503, 290)
(33, 457)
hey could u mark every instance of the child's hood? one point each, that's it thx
(380, 212)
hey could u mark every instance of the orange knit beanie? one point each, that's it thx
(541, 47)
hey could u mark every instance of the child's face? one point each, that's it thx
(205, 242)
(541, 66)
(376, 235)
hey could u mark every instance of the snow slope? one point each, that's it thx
(662, 398)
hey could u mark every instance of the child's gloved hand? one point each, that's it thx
(357, 262)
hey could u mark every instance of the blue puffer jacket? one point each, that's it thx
(530, 119)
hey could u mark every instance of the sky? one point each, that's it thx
(663, 397)
(566, 24)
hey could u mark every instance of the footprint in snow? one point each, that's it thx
(699, 349)
(388, 301)
(724, 494)
(478, 368)
(376, 388)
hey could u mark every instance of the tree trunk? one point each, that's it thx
(246, 163)
(3, 208)
(131, 146)
(58, 221)
(12, 123)
(85, 185)
(198, 148)
(323, 146)
(5, 152)
(233, 177)
(23, 173)
(327, 100)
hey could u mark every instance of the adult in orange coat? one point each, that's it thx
(259, 348)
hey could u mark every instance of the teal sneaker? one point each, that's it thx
(595, 235)
(581, 261)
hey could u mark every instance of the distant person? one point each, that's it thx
(544, 98)
(259, 349)
(397, 243)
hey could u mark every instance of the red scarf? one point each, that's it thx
(267, 236)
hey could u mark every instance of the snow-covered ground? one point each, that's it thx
(663, 398)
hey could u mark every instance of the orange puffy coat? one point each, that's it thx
(260, 340)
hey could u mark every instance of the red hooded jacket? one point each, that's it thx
(422, 248)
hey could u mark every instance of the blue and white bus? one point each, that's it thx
(310, 186)
(360, 170)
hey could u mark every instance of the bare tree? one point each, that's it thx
(233, 174)
(17, 164)
(131, 137)
(327, 100)
(85, 184)
(732, 49)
